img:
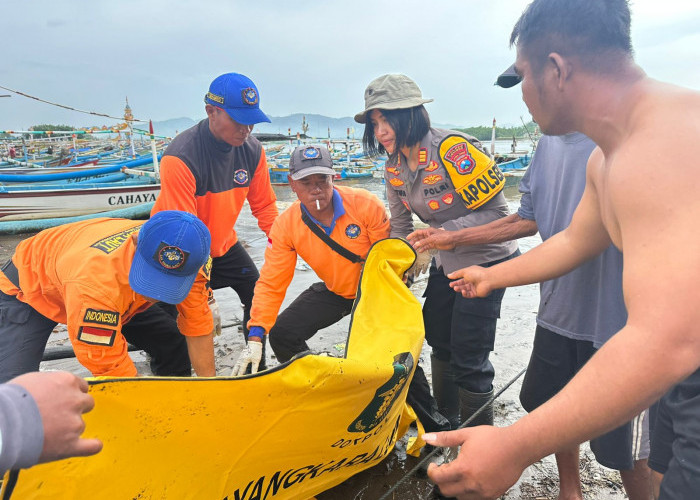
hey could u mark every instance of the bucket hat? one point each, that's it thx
(392, 91)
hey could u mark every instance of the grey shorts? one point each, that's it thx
(554, 361)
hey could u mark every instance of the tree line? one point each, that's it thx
(484, 133)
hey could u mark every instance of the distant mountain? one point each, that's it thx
(319, 126)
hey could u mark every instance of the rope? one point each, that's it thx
(430, 455)
(68, 107)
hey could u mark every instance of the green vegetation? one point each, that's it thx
(484, 133)
(44, 127)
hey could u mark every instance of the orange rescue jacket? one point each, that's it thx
(78, 274)
(365, 222)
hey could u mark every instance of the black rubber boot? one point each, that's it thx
(470, 402)
(445, 390)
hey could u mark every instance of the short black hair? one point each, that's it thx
(410, 126)
(591, 30)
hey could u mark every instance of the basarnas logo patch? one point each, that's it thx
(170, 256)
(352, 231)
(240, 176)
(250, 96)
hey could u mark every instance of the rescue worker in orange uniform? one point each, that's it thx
(94, 276)
(354, 218)
(211, 169)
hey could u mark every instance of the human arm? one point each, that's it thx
(505, 229)
(261, 197)
(94, 323)
(196, 323)
(41, 419)
(583, 239)
(658, 347)
(177, 187)
(275, 275)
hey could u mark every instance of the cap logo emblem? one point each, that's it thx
(311, 153)
(250, 96)
(240, 176)
(352, 231)
(170, 256)
(215, 98)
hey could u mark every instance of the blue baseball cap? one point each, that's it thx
(171, 248)
(238, 96)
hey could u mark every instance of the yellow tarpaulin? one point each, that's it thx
(290, 432)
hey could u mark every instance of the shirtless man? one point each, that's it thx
(575, 61)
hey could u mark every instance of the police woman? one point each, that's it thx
(446, 179)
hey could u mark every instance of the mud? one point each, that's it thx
(513, 343)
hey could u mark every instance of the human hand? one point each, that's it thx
(489, 462)
(251, 355)
(420, 265)
(471, 281)
(431, 238)
(62, 399)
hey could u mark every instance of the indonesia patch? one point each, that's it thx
(352, 231)
(97, 336)
(240, 176)
(396, 182)
(432, 179)
(110, 318)
(405, 204)
(448, 198)
(422, 156)
(434, 204)
(249, 96)
(432, 167)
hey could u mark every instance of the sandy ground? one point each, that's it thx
(513, 343)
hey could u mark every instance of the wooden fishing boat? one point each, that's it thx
(39, 202)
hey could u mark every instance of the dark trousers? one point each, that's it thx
(24, 333)
(462, 331)
(235, 269)
(315, 308)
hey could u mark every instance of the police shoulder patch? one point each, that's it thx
(99, 317)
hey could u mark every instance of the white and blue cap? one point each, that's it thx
(170, 250)
(309, 160)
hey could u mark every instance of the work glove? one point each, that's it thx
(421, 264)
(251, 355)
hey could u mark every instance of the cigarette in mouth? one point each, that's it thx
(318, 205)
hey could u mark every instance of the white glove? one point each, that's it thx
(421, 265)
(252, 354)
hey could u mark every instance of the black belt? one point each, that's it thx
(10, 271)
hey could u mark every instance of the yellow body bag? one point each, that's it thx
(289, 432)
(474, 175)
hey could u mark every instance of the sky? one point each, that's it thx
(304, 56)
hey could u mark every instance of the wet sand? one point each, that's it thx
(513, 343)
